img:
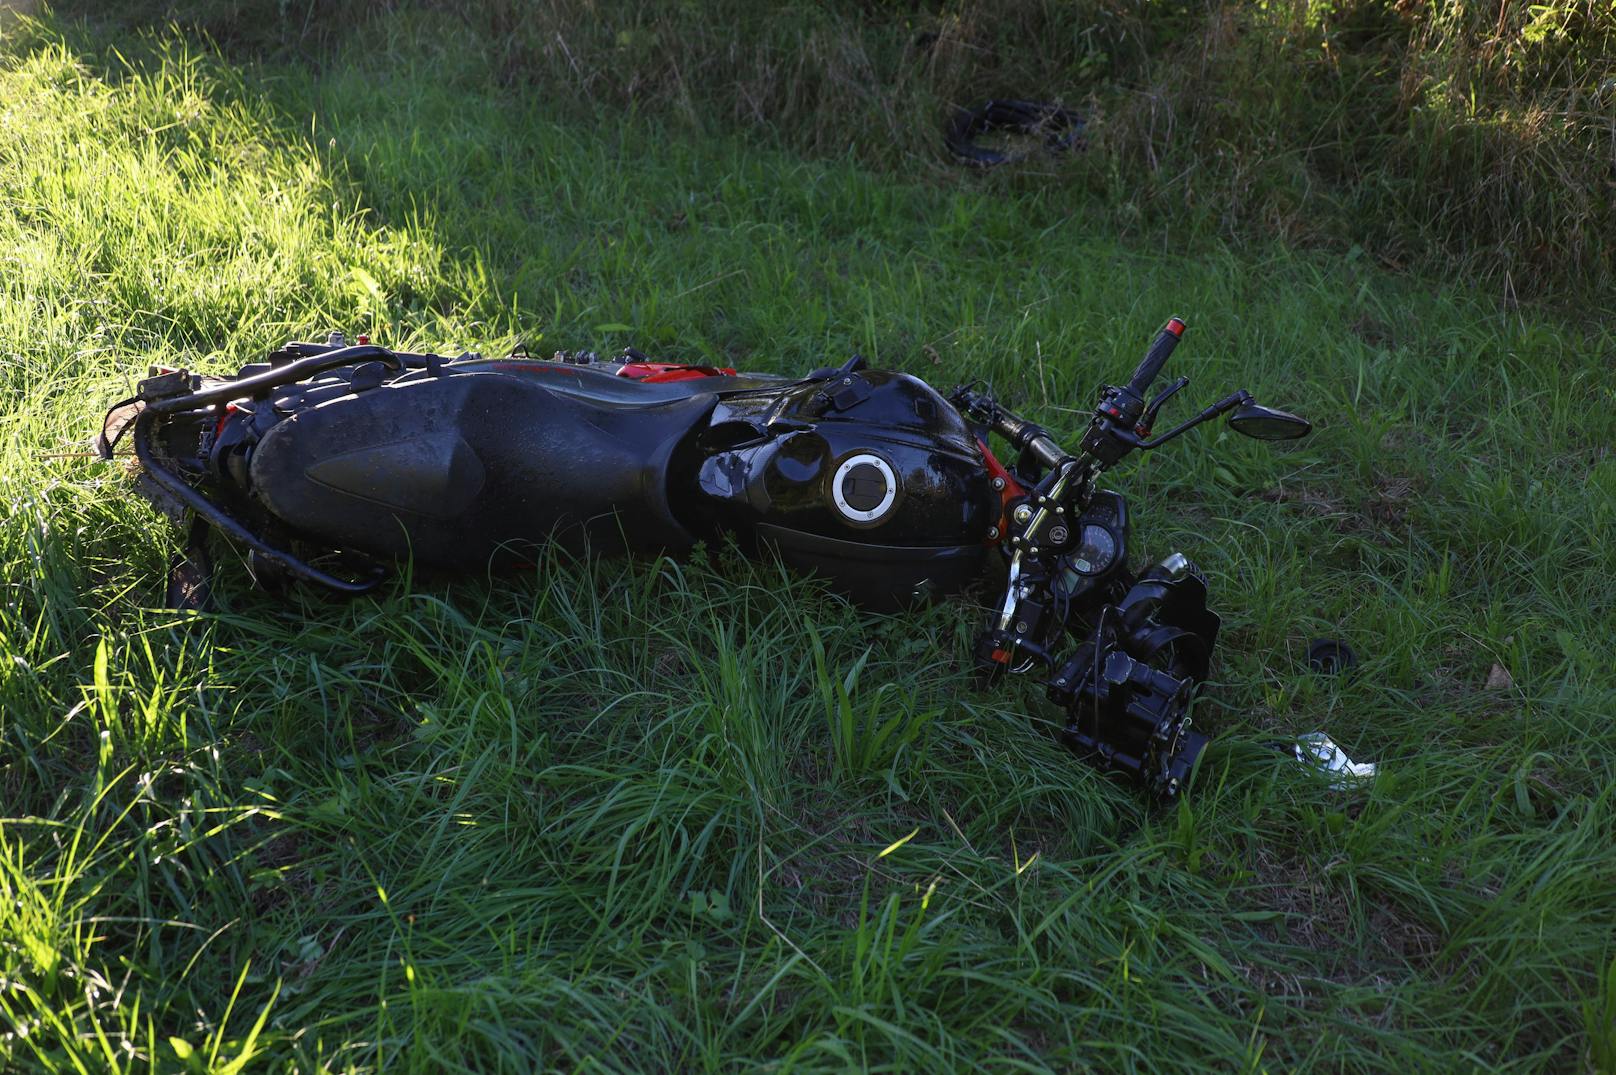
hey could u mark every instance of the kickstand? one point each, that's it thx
(190, 573)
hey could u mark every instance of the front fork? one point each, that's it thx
(1127, 689)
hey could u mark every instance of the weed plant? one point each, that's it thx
(658, 816)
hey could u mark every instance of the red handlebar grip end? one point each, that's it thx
(1175, 326)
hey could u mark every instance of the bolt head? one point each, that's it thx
(1023, 513)
(998, 483)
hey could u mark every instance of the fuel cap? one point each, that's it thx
(864, 489)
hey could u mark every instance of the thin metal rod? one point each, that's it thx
(299, 370)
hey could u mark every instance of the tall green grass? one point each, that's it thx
(640, 815)
(1472, 140)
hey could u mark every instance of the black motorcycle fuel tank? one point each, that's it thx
(455, 469)
(867, 478)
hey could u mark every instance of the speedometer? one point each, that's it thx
(1096, 551)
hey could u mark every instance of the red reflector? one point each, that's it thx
(1000, 656)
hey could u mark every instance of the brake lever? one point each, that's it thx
(1148, 419)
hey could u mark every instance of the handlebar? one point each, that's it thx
(1021, 433)
(1156, 357)
(1116, 428)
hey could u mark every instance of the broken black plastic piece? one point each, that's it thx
(1330, 657)
(164, 386)
(1061, 128)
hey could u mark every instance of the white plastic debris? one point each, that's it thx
(1319, 751)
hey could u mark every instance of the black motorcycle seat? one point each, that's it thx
(451, 470)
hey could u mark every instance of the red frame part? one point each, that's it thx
(1011, 490)
(663, 372)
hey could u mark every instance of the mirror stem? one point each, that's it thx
(1228, 403)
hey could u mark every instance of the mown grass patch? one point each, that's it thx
(599, 814)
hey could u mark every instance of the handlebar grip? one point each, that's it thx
(1156, 357)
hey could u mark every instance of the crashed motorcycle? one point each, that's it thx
(328, 461)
